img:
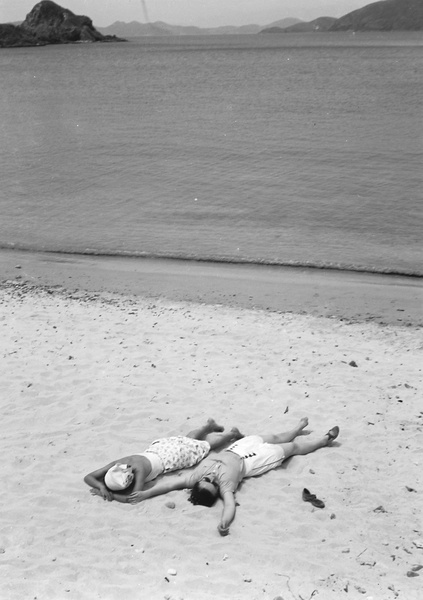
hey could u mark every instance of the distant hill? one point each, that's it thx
(136, 29)
(387, 15)
(233, 30)
(49, 23)
(283, 23)
(320, 24)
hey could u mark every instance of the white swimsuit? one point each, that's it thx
(258, 456)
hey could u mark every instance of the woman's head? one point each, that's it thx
(119, 477)
(204, 492)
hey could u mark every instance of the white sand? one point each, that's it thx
(89, 378)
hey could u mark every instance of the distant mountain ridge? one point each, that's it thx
(385, 15)
(137, 29)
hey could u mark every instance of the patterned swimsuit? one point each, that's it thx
(179, 452)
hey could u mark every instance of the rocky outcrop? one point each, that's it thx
(388, 15)
(49, 23)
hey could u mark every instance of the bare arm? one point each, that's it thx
(96, 480)
(124, 498)
(167, 484)
(139, 479)
(228, 513)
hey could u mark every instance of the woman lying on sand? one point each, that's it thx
(162, 456)
(222, 474)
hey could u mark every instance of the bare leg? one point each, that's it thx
(202, 432)
(221, 439)
(301, 447)
(287, 436)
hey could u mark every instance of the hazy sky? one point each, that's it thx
(203, 13)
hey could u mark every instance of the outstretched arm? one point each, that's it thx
(168, 484)
(228, 513)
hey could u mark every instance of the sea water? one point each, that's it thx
(276, 149)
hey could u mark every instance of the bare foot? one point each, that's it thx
(213, 426)
(301, 427)
(237, 435)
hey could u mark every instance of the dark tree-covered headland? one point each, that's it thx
(49, 23)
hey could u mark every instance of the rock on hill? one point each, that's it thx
(49, 23)
(387, 15)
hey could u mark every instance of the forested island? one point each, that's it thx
(49, 23)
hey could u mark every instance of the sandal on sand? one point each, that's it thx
(309, 497)
(333, 433)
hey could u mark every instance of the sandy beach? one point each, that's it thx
(102, 356)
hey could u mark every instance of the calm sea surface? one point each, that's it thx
(290, 149)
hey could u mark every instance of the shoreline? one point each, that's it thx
(220, 260)
(346, 295)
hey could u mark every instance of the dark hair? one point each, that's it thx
(202, 496)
